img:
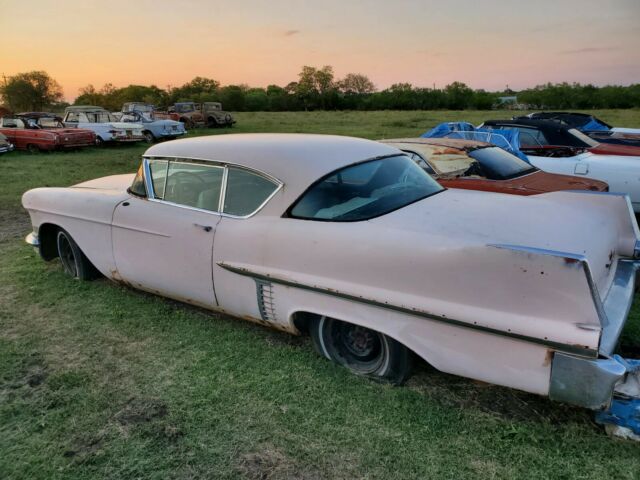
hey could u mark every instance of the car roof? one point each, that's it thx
(296, 159)
(541, 124)
(438, 142)
(84, 108)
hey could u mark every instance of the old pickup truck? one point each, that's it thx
(194, 115)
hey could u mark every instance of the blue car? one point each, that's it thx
(154, 130)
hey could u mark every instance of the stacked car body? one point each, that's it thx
(43, 132)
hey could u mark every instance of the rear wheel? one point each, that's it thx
(74, 262)
(212, 122)
(31, 148)
(362, 350)
(148, 137)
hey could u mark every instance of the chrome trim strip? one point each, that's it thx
(196, 160)
(223, 188)
(617, 304)
(575, 349)
(585, 382)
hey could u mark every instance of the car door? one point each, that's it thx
(163, 241)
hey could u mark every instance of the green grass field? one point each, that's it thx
(101, 381)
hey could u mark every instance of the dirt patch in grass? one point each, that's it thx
(270, 463)
(84, 447)
(140, 410)
(499, 402)
(14, 223)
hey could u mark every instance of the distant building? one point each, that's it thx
(511, 99)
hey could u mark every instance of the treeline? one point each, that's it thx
(316, 89)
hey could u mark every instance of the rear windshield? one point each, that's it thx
(366, 190)
(498, 164)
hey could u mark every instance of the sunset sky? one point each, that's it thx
(484, 43)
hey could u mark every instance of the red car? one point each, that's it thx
(476, 165)
(37, 132)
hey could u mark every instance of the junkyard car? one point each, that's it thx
(352, 241)
(154, 129)
(103, 124)
(5, 144)
(538, 147)
(457, 163)
(194, 115)
(538, 135)
(43, 132)
(592, 126)
(189, 113)
(215, 116)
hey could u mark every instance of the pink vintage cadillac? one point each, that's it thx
(351, 241)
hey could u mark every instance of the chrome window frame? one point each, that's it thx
(223, 190)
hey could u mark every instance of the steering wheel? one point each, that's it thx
(180, 178)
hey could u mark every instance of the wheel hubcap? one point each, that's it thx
(67, 257)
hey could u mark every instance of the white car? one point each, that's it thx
(352, 241)
(106, 127)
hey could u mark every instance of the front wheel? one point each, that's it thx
(74, 262)
(362, 350)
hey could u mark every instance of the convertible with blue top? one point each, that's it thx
(556, 149)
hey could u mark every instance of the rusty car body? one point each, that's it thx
(469, 164)
(37, 131)
(351, 241)
(5, 144)
(189, 113)
(195, 115)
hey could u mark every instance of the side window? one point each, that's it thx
(9, 123)
(246, 191)
(530, 137)
(137, 187)
(194, 185)
(72, 117)
(421, 162)
(158, 169)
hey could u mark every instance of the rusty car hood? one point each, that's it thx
(615, 149)
(542, 182)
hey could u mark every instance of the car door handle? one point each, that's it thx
(206, 228)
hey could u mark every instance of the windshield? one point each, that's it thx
(366, 190)
(498, 164)
(586, 139)
(100, 117)
(185, 107)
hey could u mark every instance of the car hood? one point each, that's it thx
(112, 182)
(615, 149)
(542, 182)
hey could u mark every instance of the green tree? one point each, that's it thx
(356, 83)
(30, 91)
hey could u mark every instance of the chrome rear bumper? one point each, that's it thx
(32, 239)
